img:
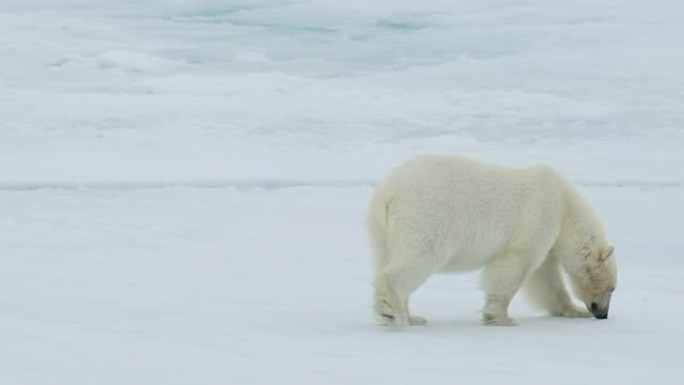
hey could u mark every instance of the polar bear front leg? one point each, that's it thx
(502, 278)
(545, 288)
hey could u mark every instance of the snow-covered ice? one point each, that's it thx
(183, 184)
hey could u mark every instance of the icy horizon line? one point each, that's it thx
(271, 184)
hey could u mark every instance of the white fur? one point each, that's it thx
(448, 213)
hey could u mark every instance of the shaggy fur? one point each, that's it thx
(442, 213)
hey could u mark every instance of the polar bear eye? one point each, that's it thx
(612, 289)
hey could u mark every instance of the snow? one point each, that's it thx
(183, 184)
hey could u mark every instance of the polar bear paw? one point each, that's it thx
(573, 312)
(415, 320)
(501, 320)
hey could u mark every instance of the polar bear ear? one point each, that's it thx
(607, 253)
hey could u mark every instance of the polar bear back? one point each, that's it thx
(459, 213)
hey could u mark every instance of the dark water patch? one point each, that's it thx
(400, 25)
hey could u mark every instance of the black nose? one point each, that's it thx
(598, 312)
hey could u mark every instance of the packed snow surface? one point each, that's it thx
(183, 184)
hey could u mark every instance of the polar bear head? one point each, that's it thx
(595, 281)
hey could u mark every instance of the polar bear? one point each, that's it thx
(447, 213)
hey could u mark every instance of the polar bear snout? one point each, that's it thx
(599, 313)
(599, 309)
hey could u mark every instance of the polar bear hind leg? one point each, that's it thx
(393, 286)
